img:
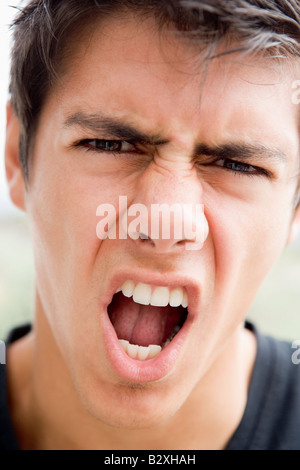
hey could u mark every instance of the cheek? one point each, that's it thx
(248, 239)
(63, 204)
(63, 221)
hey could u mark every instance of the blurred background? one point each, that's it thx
(16, 261)
(276, 310)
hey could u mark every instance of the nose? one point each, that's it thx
(167, 213)
(171, 228)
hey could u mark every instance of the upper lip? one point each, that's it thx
(165, 279)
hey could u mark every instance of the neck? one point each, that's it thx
(48, 413)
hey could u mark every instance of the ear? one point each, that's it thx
(14, 173)
(295, 226)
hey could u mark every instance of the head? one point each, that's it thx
(175, 102)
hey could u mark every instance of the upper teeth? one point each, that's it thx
(157, 296)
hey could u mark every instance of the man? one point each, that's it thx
(139, 341)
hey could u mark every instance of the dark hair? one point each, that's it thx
(42, 28)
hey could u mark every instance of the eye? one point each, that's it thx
(109, 146)
(239, 167)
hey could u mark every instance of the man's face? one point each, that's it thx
(230, 143)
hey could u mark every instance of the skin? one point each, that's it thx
(72, 397)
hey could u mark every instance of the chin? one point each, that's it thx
(132, 406)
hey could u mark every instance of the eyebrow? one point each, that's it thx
(242, 151)
(116, 128)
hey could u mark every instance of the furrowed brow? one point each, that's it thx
(113, 128)
(242, 152)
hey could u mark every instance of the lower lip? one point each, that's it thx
(136, 371)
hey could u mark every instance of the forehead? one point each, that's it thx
(128, 69)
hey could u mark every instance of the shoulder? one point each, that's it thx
(7, 436)
(8, 439)
(283, 371)
(279, 375)
(282, 403)
(272, 417)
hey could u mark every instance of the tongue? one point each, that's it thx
(142, 324)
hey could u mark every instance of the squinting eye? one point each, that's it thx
(238, 167)
(108, 145)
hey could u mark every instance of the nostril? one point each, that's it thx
(181, 242)
(142, 236)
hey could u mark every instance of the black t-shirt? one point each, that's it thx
(272, 416)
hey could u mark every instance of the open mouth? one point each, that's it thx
(147, 318)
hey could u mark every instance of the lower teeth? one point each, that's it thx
(143, 353)
(140, 352)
